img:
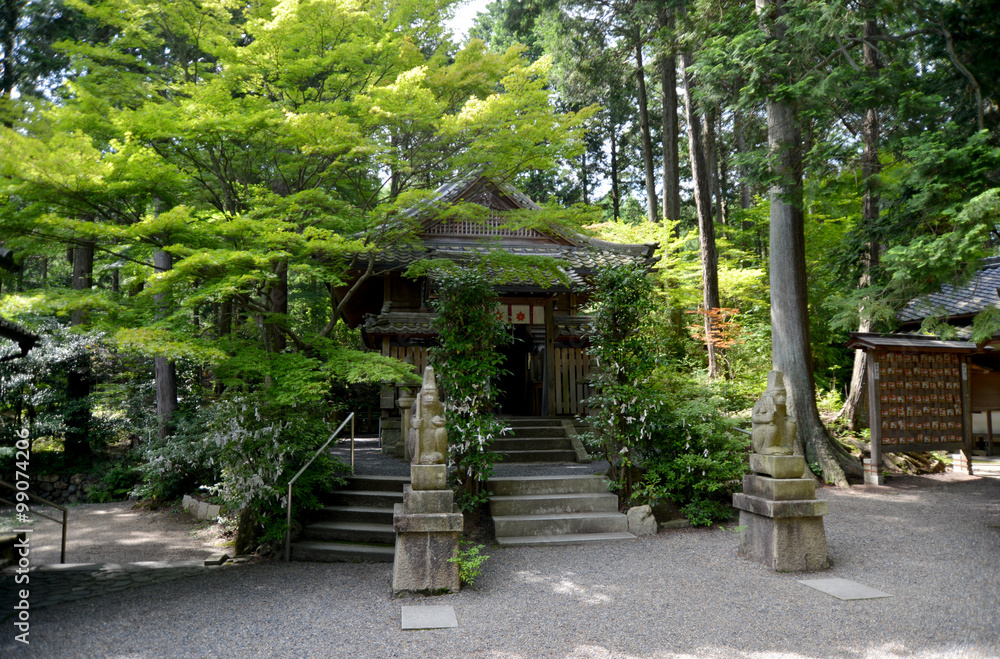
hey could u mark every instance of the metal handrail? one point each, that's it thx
(62, 551)
(288, 528)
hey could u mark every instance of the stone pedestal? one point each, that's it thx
(873, 473)
(392, 438)
(427, 531)
(781, 518)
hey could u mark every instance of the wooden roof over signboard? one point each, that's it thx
(908, 342)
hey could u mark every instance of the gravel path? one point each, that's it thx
(934, 543)
(120, 533)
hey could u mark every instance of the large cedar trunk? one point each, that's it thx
(790, 347)
(706, 226)
(647, 143)
(671, 161)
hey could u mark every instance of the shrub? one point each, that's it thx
(260, 447)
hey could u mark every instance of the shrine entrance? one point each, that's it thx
(517, 386)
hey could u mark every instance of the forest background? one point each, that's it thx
(192, 188)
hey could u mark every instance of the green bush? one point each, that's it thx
(260, 447)
(694, 456)
(184, 461)
(116, 484)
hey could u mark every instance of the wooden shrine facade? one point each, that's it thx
(548, 364)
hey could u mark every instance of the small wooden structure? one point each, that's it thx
(918, 395)
(548, 365)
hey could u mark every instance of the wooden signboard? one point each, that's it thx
(918, 393)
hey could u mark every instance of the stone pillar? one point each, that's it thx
(873, 473)
(426, 523)
(781, 518)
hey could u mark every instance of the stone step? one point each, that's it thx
(532, 444)
(531, 421)
(372, 514)
(540, 504)
(531, 432)
(516, 485)
(377, 483)
(373, 498)
(560, 524)
(568, 539)
(351, 532)
(547, 455)
(341, 552)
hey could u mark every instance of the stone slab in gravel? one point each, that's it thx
(930, 541)
(844, 589)
(428, 617)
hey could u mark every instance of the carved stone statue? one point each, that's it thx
(427, 436)
(773, 429)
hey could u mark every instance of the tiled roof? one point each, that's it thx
(419, 323)
(982, 292)
(582, 260)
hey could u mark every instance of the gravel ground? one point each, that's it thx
(932, 542)
(120, 533)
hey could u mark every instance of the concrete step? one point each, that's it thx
(532, 444)
(548, 455)
(377, 483)
(516, 485)
(373, 498)
(560, 524)
(540, 504)
(341, 552)
(568, 539)
(539, 431)
(351, 532)
(371, 514)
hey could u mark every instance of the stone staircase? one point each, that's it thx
(355, 525)
(537, 439)
(555, 510)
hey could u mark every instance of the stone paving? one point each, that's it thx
(56, 584)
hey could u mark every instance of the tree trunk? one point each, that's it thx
(741, 149)
(790, 347)
(703, 204)
(616, 199)
(79, 377)
(278, 295)
(855, 408)
(165, 372)
(671, 161)
(647, 145)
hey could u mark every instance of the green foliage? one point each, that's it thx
(694, 456)
(623, 399)
(116, 484)
(469, 561)
(259, 447)
(467, 362)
